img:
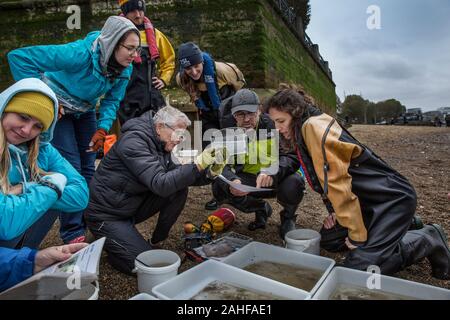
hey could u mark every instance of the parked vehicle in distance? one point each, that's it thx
(434, 118)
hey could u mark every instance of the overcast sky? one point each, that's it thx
(407, 59)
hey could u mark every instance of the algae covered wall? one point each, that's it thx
(287, 60)
(43, 22)
(248, 33)
(224, 28)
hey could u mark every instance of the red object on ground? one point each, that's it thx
(219, 220)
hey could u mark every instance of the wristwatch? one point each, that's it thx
(52, 186)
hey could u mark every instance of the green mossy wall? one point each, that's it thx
(248, 33)
(287, 60)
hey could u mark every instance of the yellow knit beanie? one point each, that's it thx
(34, 104)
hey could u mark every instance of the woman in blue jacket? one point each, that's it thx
(34, 178)
(81, 73)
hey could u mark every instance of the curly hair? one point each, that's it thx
(294, 102)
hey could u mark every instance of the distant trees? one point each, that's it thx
(302, 8)
(361, 110)
(389, 109)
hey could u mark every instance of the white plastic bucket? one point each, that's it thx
(154, 267)
(88, 292)
(304, 240)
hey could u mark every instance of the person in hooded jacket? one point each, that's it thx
(80, 73)
(35, 180)
(138, 178)
(370, 204)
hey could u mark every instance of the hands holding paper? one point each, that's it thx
(46, 257)
(264, 181)
(236, 192)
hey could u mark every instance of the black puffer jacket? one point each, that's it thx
(136, 167)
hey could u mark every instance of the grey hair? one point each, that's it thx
(170, 115)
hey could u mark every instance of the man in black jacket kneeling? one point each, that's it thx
(137, 179)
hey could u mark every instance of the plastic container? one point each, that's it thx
(303, 240)
(256, 252)
(189, 283)
(143, 296)
(344, 277)
(154, 267)
(185, 156)
(88, 292)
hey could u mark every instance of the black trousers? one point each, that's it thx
(124, 242)
(210, 120)
(130, 108)
(289, 192)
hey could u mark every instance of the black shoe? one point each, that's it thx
(416, 223)
(440, 258)
(211, 205)
(261, 217)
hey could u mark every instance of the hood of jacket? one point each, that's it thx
(114, 28)
(31, 84)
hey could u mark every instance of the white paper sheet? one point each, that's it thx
(243, 187)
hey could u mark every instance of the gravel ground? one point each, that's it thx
(422, 154)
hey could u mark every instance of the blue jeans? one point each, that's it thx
(34, 235)
(71, 137)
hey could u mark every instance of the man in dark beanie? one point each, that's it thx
(152, 69)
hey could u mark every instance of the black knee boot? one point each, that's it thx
(287, 218)
(440, 254)
(429, 242)
(261, 217)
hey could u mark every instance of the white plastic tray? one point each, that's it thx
(256, 252)
(187, 284)
(349, 277)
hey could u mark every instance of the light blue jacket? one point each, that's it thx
(19, 212)
(76, 67)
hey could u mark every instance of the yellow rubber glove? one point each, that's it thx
(206, 158)
(221, 159)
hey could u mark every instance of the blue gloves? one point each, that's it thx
(56, 181)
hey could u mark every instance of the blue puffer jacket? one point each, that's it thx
(15, 266)
(18, 213)
(76, 67)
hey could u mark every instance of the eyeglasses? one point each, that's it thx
(241, 115)
(132, 50)
(180, 134)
